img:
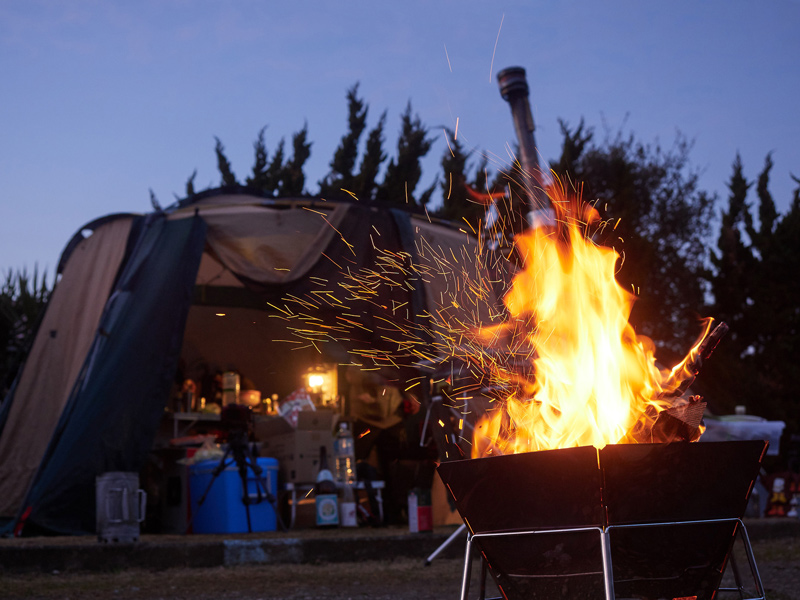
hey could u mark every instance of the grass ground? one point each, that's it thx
(778, 561)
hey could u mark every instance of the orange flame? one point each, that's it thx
(595, 381)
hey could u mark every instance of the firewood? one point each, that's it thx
(693, 363)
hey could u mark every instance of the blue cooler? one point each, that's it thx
(223, 510)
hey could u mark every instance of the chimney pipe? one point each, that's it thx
(514, 90)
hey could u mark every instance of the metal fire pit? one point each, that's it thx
(644, 521)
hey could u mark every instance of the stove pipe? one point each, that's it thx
(514, 90)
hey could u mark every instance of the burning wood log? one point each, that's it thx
(684, 374)
(683, 423)
(684, 420)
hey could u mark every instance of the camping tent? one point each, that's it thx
(138, 295)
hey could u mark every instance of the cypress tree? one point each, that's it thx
(404, 171)
(293, 179)
(374, 156)
(259, 179)
(228, 178)
(346, 154)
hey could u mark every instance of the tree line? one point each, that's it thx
(686, 253)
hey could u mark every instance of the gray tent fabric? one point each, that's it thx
(65, 335)
(271, 246)
(111, 418)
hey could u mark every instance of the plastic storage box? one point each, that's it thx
(223, 510)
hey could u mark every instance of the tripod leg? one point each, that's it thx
(270, 497)
(240, 456)
(246, 501)
(261, 487)
(217, 470)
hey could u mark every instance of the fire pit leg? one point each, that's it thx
(467, 569)
(751, 559)
(741, 531)
(483, 579)
(608, 571)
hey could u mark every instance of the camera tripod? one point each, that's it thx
(239, 449)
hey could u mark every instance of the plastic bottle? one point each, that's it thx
(326, 499)
(347, 509)
(344, 453)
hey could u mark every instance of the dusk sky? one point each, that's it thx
(102, 101)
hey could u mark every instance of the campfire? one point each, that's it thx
(592, 380)
(582, 482)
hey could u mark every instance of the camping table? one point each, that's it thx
(307, 488)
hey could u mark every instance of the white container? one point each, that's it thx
(120, 506)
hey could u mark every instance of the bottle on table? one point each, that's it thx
(348, 507)
(344, 453)
(345, 468)
(326, 498)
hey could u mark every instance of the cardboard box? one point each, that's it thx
(297, 450)
(443, 512)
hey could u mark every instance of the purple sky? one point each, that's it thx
(102, 100)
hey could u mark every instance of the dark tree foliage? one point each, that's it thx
(757, 292)
(460, 195)
(274, 177)
(427, 194)
(280, 177)
(366, 183)
(776, 313)
(774, 354)
(656, 218)
(733, 264)
(275, 169)
(573, 147)
(404, 170)
(761, 236)
(224, 166)
(154, 202)
(259, 179)
(344, 158)
(22, 300)
(190, 184)
(293, 180)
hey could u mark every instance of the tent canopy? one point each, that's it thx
(141, 295)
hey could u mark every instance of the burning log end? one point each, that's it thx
(709, 344)
(694, 362)
(704, 351)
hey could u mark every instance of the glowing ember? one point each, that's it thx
(594, 382)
